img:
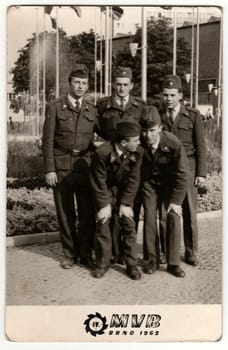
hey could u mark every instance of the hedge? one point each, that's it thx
(33, 210)
(25, 158)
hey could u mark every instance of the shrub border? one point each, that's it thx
(49, 237)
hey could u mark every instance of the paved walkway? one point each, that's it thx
(35, 277)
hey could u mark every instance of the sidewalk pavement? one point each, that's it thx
(34, 277)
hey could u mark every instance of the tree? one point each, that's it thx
(21, 70)
(159, 55)
(72, 50)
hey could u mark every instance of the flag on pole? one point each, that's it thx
(77, 10)
(117, 12)
(53, 22)
(48, 9)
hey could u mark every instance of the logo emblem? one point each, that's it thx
(95, 324)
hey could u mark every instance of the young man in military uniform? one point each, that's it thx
(68, 130)
(121, 106)
(164, 180)
(115, 178)
(185, 123)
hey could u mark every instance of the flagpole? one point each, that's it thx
(101, 55)
(37, 73)
(192, 58)
(95, 57)
(57, 56)
(174, 41)
(110, 51)
(44, 64)
(106, 49)
(197, 59)
(220, 73)
(144, 54)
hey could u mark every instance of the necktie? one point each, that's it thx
(153, 150)
(77, 105)
(122, 103)
(171, 115)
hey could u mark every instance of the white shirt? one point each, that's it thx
(124, 99)
(118, 150)
(73, 100)
(154, 147)
(175, 110)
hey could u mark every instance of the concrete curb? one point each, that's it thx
(49, 237)
(35, 238)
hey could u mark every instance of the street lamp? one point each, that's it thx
(133, 48)
(188, 78)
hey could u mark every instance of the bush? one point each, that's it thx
(24, 159)
(33, 211)
(30, 211)
(30, 183)
(214, 157)
(212, 199)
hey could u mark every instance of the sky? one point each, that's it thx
(21, 22)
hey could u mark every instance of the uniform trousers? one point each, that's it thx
(151, 201)
(189, 214)
(103, 243)
(71, 193)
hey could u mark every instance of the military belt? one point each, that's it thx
(72, 152)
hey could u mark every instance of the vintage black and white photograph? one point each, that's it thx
(114, 172)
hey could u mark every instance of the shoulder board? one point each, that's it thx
(56, 101)
(59, 99)
(171, 140)
(191, 109)
(103, 99)
(90, 100)
(139, 99)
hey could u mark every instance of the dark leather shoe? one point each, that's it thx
(162, 259)
(67, 263)
(100, 272)
(133, 272)
(118, 260)
(191, 259)
(88, 262)
(150, 268)
(176, 271)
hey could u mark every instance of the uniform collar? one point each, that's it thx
(67, 104)
(73, 100)
(156, 145)
(113, 103)
(116, 154)
(118, 99)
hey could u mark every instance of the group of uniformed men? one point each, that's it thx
(143, 156)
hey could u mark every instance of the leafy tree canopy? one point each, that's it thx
(80, 48)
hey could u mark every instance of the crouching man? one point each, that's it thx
(164, 180)
(115, 178)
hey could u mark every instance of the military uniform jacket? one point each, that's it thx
(167, 168)
(187, 126)
(109, 172)
(110, 113)
(67, 128)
